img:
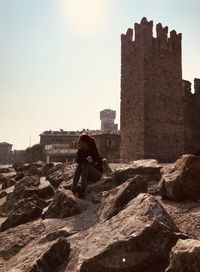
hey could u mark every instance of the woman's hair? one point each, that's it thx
(90, 141)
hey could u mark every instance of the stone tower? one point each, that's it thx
(107, 118)
(151, 94)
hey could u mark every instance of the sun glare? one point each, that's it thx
(86, 16)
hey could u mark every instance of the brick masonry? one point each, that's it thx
(155, 102)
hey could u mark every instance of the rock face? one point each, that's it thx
(148, 168)
(48, 257)
(60, 173)
(185, 256)
(139, 238)
(181, 180)
(28, 212)
(120, 196)
(64, 204)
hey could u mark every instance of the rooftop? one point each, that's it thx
(4, 143)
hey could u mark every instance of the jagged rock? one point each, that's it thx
(3, 194)
(185, 256)
(8, 183)
(3, 178)
(139, 238)
(25, 189)
(46, 168)
(17, 166)
(28, 212)
(106, 167)
(13, 240)
(19, 176)
(64, 232)
(4, 170)
(120, 196)
(60, 173)
(104, 184)
(64, 204)
(35, 171)
(148, 168)
(181, 180)
(48, 257)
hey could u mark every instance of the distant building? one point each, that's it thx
(109, 146)
(107, 118)
(5, 153)
(61, 145)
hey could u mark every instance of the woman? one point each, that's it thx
(89, 166)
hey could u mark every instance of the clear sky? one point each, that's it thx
(60, 59)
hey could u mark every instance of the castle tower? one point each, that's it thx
(151, 94)
(108, 125)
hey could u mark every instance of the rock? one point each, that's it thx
(106, 167)
(25, 189)
(148, 168)
(2, 178)
(29, 212)
(181, 180)
(185, 256)
(17, 166)
(3, 194)
(45, 192)
(47, 257)
(46, 168)
(120, 196)
(104, 184)
(13, 240)
(8, 183)
(64, 204)
(34, 171)
(139, 238)
(19, 176)
(64, 232)
(60, 173)
(4, 170)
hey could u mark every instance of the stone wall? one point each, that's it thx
(192, 117)
(151, 94)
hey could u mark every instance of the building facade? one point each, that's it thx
(155, 110)
(5, 153)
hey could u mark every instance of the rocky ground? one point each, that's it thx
(141, 217)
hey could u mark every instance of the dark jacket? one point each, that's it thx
(90, 157)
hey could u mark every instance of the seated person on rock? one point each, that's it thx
(89, 166)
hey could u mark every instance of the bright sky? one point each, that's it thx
(60, 59)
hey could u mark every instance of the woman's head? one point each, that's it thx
(87, 142)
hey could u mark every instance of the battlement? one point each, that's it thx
(197, 85)
(143, 33)
(187, 89)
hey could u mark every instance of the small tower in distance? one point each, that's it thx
(107, 118)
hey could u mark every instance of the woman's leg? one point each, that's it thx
(88, 172)
(76, 178)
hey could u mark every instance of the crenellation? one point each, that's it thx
(162, 35)
(197, 85)
(144, 31)
(187, 89)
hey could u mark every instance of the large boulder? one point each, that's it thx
(47, 257)
(14, 239)
(8, 183)
(181, 180)
(120, 196)
(148, 168)
(60, 173)
(64, 204)
(139, 238)
(28, 212)
(185, 256)
(24, 188)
